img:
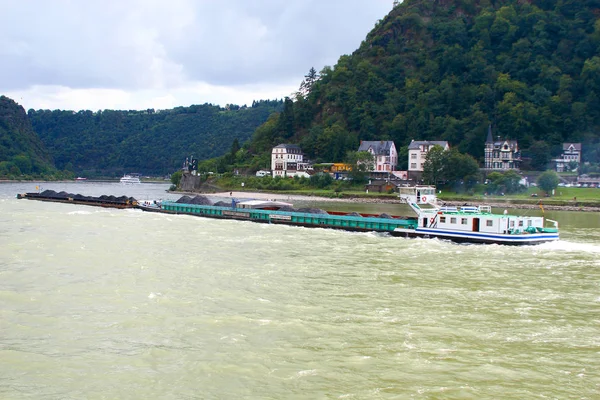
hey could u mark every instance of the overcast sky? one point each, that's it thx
(137, 54)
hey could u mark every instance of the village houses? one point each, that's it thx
(501, 154)
(287, 160)
(384, 153)
(571, 155)
(417, 154)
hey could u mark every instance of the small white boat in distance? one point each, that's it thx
(130, 179)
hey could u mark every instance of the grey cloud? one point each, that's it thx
(141, 44)
(275, 43)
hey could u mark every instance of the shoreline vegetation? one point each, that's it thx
(498, 192)
(547, 203)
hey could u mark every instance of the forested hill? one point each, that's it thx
(445, 70)
(21, 150)
(112, 142)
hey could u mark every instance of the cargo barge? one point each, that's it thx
(277, 213)
(70, 198)
(471, 224)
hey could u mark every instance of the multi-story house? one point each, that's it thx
(501, 154)
(417, 153)
(571, 154)
(287, 160)
(384, 153)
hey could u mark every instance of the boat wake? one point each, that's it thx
(86, 212)
(564, 245)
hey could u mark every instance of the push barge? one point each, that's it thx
(70, 198)
(472, 224)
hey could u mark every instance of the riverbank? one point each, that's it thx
(287, 197)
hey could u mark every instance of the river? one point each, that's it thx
(121, 304)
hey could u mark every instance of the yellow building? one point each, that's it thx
(340, 167)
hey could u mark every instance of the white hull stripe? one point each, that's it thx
(483, 236)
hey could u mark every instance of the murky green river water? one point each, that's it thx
(121, 304)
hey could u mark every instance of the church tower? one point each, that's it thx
(489, 149)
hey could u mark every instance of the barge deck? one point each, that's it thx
(354, 222)
(70, 198)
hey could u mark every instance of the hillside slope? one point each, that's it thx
(445, 70)
(21, 150)
(112, 142)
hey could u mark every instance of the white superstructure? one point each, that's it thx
(130, 179)
(475, 224)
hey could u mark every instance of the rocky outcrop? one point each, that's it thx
(194, 183)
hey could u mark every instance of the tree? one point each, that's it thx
(23, 162)
(572, 166)
(548, 181)
(285, 123)
(235, 146)
(512, 181)
(309, 80)
(461, 168)
(176, 177)
(494, 181)
(321, 180)
(403, 158)
(5, 167)
(540, 155)
(435, 161)
(362, 162)
(507, 182)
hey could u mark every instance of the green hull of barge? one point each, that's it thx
(345, 222)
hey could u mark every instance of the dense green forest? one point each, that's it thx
(110, 142)
(21, 150)
(445, 70)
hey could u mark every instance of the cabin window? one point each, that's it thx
(489, 222)
(529, 223)
(512, 224)
(463, 221)
(443, 219)
(520, 223)
(452, 220)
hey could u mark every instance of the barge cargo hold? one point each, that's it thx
(346, 222)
